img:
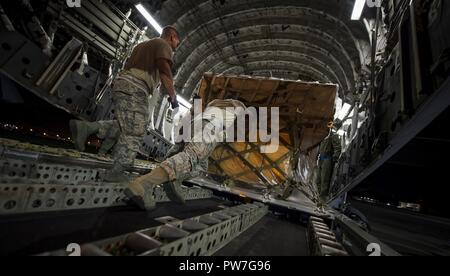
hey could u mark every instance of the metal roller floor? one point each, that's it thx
(36, 233)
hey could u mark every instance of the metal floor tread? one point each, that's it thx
(35, 233)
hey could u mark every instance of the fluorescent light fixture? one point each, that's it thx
(358, 9)
(149, 18)
(184, 103)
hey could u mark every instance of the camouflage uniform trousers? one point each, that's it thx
(191, 159)
(329, 152)
(132, 113)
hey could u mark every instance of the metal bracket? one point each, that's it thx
(34, 198)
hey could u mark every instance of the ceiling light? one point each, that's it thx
(358, 9)
(149, 18)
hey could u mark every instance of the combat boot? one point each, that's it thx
(140, 190)
(174, 192)
(116, 175)
(81, 131)
(145, 202)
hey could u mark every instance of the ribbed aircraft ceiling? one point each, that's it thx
(312, 40)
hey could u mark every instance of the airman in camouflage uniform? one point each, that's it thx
(202, 166)
(329, 153)
(150, 62)
(181, 166)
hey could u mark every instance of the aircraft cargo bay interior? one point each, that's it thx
(244, 128)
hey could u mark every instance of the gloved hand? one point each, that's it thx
(175, 107)
(174, 103)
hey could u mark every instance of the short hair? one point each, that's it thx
(168, 30)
